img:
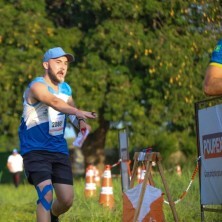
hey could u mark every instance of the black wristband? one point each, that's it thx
(81, 119)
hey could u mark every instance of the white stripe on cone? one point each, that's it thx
(107, 190)
(90, 186)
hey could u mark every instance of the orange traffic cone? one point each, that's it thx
(96, 176)
(139, 173)
(90, 186)
(142, 174)
(106, 195)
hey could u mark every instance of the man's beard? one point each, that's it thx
(53, 77)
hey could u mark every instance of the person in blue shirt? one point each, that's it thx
(213, 76)
(47, 102)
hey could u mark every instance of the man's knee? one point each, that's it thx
(64, 195)
(68, 201)
(45, 196)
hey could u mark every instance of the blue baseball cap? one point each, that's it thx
(56, 53)
(15, 151)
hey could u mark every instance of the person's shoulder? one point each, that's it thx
(10, 157)
(218, 46)
(216, 57)
(20, 156)
(65, 84)
(65, 88)
(37, 80)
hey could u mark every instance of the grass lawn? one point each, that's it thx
(18, 205)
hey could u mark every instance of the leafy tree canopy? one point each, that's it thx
(139, 64)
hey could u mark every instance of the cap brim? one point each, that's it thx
(70, 57)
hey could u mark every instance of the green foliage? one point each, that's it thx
(138, 63)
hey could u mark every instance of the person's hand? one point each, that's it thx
(83, 126)
(86, 115)
(90, 115)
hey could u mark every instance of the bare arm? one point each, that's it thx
(71, 101)
(213, 81)
(81, 125)
(39, 92)
(9, 165)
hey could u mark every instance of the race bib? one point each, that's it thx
(56, 122)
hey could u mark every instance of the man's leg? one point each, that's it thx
(45, 194)
(64, 198)
(14, 179)
(17, 178)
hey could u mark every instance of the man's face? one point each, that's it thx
(57, 69)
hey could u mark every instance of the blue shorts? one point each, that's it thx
(42, 165)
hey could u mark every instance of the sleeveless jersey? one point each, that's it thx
(216, 57)
(42, 127)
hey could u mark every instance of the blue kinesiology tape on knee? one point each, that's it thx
(47, 205)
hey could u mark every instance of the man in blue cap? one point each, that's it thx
(47, 103)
